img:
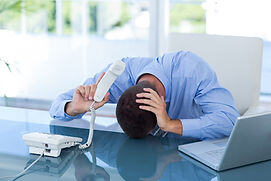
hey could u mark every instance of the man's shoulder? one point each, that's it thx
(137, 60)
(188, 63)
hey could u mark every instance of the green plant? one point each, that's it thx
(9, 68)
(6, 63)
(12, 8)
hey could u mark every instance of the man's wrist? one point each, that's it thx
(69, 109)
(174, 126)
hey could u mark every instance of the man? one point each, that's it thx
(189, 100)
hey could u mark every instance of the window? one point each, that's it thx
(187, 17)
(236, 18)
(55, 45)
(227, 17)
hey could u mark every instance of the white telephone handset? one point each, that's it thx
(108, 79)
(103, 86)
(50, 144)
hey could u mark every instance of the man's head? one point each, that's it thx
(135, 122)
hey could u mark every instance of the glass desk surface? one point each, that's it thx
(112, 156)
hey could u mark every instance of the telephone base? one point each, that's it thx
(50, 144)
(47, 152)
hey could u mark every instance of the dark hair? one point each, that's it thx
(135, 122)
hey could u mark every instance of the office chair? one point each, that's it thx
(236, 60)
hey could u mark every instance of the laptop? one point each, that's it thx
(252, 172)
(249, 142)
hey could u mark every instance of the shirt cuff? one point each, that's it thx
(65, 115)
(191, 128)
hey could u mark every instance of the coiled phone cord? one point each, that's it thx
(91, 127)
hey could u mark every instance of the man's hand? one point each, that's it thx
(156, 104)
(82, 99)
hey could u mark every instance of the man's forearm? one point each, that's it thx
(69, 110)
(174, 126)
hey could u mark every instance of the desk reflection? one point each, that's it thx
(151, 158)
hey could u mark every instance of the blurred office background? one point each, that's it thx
(50, 46)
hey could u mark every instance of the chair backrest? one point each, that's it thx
(236, 60)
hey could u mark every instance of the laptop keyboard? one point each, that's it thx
(216, 154)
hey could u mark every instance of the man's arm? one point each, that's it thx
(74, 103)
(217, 105)
(57, 109)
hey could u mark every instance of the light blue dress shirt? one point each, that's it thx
(193, 93)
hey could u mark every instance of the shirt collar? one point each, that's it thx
(156, 70)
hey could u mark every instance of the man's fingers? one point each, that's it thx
(87, 92)
(81, 89)
(106, 98)
(100, 104)
(148, 108)
(92, 91)
(94, 87)
(152, 92)
(163, 101)
(77, 91)
(148, 95)
(100, 78)
(147, 102)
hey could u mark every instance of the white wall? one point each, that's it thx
(50, 65)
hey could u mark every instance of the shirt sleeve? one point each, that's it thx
(57, 109)
(218, 110)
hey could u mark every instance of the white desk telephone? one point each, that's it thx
(52, 144)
